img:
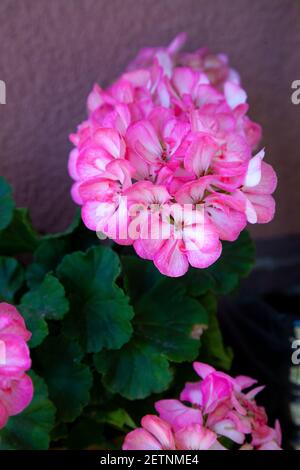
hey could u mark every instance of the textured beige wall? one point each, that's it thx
(51, 52)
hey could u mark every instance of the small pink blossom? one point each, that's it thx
(208, 411)
(16, 388)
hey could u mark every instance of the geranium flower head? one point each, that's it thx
(180, 120)
(214, 408)
(16, 388)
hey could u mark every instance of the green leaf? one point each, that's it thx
(19, 236)
(166, 327)
(6, 203)
(30, 430)
(139, 276)
(11, 278)
(236, 261)
(85, 434)
(213, 350)
(52, 249)
(59, 432)
(47, 301)
(45, 259)
(100, 313)
(136, 371)
(168, 319)
(118, 419)
(223, 277)
(165, 316)
(69, 381)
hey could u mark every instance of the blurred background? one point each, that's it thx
(51, 53)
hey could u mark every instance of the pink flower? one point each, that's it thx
(216, 407)
(178, 121)
(190, 240)
(16, 389)
(104, 207)
(157, 434)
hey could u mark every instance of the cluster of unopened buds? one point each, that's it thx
(213, 414)
(16, 388)
(166, 159)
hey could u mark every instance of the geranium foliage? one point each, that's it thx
(109, 332)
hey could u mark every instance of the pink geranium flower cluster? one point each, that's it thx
(216, 411)
(16, 389)
(165, 159)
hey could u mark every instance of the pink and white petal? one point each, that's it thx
(237, 149)
(143, 140)
(234, 94)
(138, 77)
(271, 445)
(191, 192)
(121, 170)
(195, 437)
(177, 43)
(253, 175)
(220, 412)
(242, 423)
(72, 164)
(264, 206)
(177, 414)
(95, 214)
(16, 356)
(203, 370)
(160, 429)
(96, 98)
(143, 170)
(227, 428)
(171, 260)
(267, 183)
(203, 259)
(184, 79)
(11, 322)
(139, 439)
(192, 393)
(75, 194)
(215, 389)
(252, 393)
(92, 162)
(111, 141)
(147, 249)
(18, 396)
(207, 94)
(228, 222)
(253, 132)
(96, 189)
(243, 381)
(199, 155)
(116, 226)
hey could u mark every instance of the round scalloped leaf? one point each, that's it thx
(46, 302)
(11, 278)
(99, 310)
(136, 371)
(19, 236)
(68, 379)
